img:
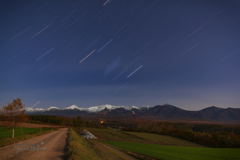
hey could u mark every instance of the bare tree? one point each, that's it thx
(13, 113)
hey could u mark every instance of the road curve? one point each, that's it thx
(50, 147)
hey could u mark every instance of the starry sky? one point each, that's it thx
(120, 52)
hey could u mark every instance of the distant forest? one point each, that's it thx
(209, 135)
(58, 120)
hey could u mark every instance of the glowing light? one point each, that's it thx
(68, 15)
(134, 71)
(120, 88)
(87, 56)
(20, 33)
(42, 30)
(45, 54)
(104, 45)
(120, 74)
(35, 104)
(188, 50)
(76, 20)
(105, 3)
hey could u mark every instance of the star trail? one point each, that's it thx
(119, 52)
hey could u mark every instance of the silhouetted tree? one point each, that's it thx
(13, 113)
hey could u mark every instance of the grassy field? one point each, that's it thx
(79, 148)
(8, 141)
(118, 135)
(164, 152)
(19, 131)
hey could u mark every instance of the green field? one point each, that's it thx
(118, 135)
(178, 153)
(18, 131)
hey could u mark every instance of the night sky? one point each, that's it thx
(120, 52)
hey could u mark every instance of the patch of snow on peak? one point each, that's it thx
(135, 107)
(72, 107)
(130, 108)
(53, 107)
(30, 109)
(102, 107)
(108, 106)
(40, 109)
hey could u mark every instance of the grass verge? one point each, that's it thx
(79, 148)
(178, 153)
(8, 141)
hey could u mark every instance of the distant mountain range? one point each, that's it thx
(74, 107)
(163, 112)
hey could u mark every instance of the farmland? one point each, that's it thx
(19, 131)
(118, 135)
(161, 146)
(164, 152)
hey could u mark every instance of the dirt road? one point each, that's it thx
(113, 153)
(48, 147)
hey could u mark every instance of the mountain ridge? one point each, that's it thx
(163, 112)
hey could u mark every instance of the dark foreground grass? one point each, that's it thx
(79, 148)
(178, 153)
(20, 131)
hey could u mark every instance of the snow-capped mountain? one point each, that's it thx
(52, 108)
(165, 112)
(74, 107)
(29, 109)
(90, 109)
(102, 107)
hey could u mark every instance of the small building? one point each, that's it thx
(88, 135)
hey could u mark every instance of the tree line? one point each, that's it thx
(212, 128)
(217, 139)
